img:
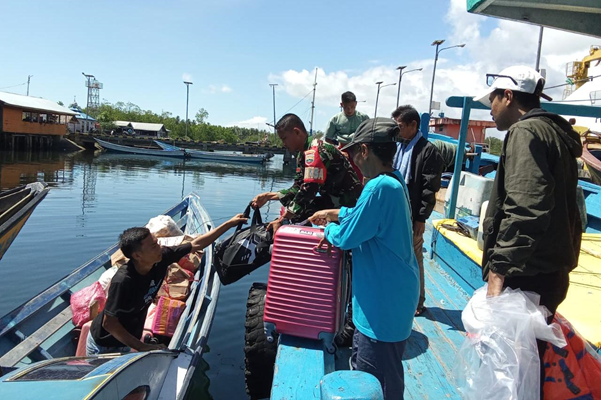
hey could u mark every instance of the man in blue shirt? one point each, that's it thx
(385, 273)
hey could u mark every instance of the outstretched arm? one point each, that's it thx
(208, 238)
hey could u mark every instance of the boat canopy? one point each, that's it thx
(579, 16)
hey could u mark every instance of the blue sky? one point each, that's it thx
(232, 49)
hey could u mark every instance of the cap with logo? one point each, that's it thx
(375, 130)
(518, 79)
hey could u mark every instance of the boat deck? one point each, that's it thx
(437, 335)
(429, 355)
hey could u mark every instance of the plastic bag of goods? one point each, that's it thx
(163, 226)
(166, 316)
(106, 278)
(499, 358)
(87, 303)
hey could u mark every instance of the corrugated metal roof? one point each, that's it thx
(122, 123)
(144, 126)
(82, 115)
(34, 103)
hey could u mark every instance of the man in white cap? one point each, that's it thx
(532, 228)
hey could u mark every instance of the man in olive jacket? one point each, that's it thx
(532, 227)
(421, 165)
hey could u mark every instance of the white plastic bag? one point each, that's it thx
(163, 226)
(106, 278)
(499, 358)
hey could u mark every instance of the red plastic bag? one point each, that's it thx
(87, 303)
(574, 371)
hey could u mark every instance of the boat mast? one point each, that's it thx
(313, 103)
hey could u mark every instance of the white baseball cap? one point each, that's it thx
(517, 78)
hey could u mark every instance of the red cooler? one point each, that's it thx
(306, 288)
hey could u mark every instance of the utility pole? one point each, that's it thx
(187, 99)
(273, 85)
(538, 51)
(28, 79)
(313, 103)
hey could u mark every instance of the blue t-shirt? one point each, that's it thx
(385, 272)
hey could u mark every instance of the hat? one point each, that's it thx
(517, 78)
(376, 130)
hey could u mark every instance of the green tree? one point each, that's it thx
(201, 116)
(60, 103)
(495, 146)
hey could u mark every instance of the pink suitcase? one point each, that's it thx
(306, 292)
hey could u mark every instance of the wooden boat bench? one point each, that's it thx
(33, 341)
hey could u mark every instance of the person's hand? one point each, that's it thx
(274, 225)
(495, 284)
(288, 215)
(236, 219)
(322, 217)
(324, 242)
(260, 200)
(419, 228)
(151, 347)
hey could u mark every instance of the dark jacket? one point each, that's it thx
(532, 223)
(426, 170)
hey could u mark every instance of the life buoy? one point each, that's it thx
(572, 372)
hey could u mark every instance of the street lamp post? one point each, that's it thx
(437, 43)
(187, 100)
(401, 73)
(273, 85)
(378, 95)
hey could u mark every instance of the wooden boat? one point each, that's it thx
(16, 205)
(139, 150)
(216, 156)
(39, 337)
(591, 155)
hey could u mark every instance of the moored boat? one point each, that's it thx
(40, 339)
(139, 150)
(16, 206)
(216, 156)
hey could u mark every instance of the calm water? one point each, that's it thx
(94, 197)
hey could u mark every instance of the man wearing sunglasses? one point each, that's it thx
(532, 227)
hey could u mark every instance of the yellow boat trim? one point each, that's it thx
(584, 295)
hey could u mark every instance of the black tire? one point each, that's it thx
(259, 354)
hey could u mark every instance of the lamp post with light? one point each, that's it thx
(378, 94)
(437, 43)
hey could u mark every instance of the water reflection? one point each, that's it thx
(20, 168)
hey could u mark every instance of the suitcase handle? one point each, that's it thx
(322, 250)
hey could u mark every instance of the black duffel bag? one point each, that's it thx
(243, 252)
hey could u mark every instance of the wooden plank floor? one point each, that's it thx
(437, 335)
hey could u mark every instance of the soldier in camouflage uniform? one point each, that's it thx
(321, 168)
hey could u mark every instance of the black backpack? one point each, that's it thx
(243, 252)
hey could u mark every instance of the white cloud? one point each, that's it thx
(254, 122)
(212, 89)
(187, 77)
(487, 51)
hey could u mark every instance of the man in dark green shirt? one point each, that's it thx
(321, 168)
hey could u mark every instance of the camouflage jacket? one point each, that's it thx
(322, 169)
